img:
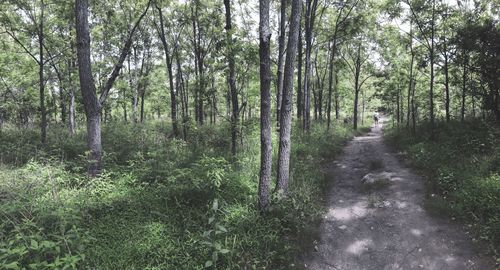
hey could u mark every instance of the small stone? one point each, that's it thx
(343, 227)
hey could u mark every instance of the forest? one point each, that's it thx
(245, 134)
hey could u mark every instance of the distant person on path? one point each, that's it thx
(376, 118)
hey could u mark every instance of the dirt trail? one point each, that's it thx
(384, 226)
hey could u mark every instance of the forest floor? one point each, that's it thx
(377, 219)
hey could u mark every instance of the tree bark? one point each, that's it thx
(464, 86)
(357, 72)
(446, 83)
(168, 61)
(286, 112)
(90, 101)
(311, 6)
(265, 105)
(281, 52)
(41, 64)
(300, 98)
(232, 79)
(330, 82)
(431, 89)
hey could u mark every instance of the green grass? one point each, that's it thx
(462, 162)
(160, 203)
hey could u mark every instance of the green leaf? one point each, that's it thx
(208, 264)
(34, 244)
(12, 265)
(222, 228)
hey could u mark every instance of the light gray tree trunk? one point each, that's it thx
(286, 106)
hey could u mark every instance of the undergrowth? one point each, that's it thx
(462, 162)
(160, 203)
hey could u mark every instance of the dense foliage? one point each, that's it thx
(161, 204)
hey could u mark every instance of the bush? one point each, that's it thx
(160, 203)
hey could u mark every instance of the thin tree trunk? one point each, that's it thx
(232, 79)
(41, 64)
(309, 25)
(410, 84)
(286, 111)
(330, 82)
(184, 97)
(446, 84)
(71, 109)
(397, 106)
(356, 87)
(281, 52)
(464, 85)
(168, 61)
(300, 103)
(431, 89)
(337, 97)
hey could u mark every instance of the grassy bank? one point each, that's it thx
(160, 203)
(462, 163)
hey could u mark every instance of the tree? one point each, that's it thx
(231, 78)
(92, 104)
(281, 56)
(311, 7)
(286, 104)
(265, 105)
(429, 42)
(36, 25)
(168, 61)
(356, 60)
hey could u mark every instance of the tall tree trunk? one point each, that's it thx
(142, 93)
(397, 106)
(135, 98)
(281, 52)
(337, 97)
(71, 109)
(431, 89)
(232, 79)
(41, 64)
(90, 100)
(411, 76)
(168, 61)
(286, 110)
(464, 85)
(72, 114)
(300, 98)
(413, 107)
(330, 82)
(184, 97)
(356, 87)
(311, 6)
(446, 83)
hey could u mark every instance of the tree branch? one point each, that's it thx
(124, 52)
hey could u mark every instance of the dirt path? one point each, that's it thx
(383, 225)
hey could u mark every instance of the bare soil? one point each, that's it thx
(381, 223)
